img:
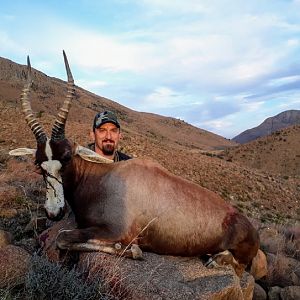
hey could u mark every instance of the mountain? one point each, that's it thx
(270, 125)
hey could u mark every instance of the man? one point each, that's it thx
(106, 136)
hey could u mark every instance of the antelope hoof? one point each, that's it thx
(118, 246)
(211, 263)
(225, 258)
(136, 251)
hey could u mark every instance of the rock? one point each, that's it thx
(274, 293)
(8, 212)
(165, 277)
(259, 293)
(5, 238)
(247, 284)
(8, 195)
(14, 263)
(290, 293)
(259, 267)
(29, 244)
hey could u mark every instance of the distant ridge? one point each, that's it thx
(270, 125)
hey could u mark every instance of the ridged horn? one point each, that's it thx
(58, 130)
(26, 108)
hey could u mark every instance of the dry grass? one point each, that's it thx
(47, 280)
(284, 264)
(280, 272)
(119, 281)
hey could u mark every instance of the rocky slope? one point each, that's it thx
(48, 94)
(278, 153)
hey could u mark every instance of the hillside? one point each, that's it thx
(183, 149)
(270, 125)
(48, 93)
(278, 153)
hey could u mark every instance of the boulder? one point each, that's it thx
(274, 293)
(5, 238)
(290, 293)
(259, 293)
(14, 263)
(247, 284)
(165, 277)
(8, 212)
(8, 195)
(259, 267)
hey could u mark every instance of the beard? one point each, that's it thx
(108, 149)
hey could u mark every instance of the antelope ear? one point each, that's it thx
(22, 151)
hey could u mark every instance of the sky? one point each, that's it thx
(221, 65)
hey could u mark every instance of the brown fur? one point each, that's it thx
(138, 201)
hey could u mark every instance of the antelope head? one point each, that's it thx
(50, 154)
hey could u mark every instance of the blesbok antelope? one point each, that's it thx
(135, 202)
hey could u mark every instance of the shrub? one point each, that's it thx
(6, 294)
(12, 293)
(48, 280)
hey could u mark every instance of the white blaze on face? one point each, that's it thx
(48, 150)
(55, 193)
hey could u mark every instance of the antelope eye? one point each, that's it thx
(65, 158)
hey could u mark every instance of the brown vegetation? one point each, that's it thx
(278, 153)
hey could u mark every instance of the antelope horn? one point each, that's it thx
(58, 130)
(32, 122)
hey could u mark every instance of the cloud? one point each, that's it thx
(205, 61)
(91, 84)
(215, 125)
(8, 44)
(283, 80)
(162, 97)
(251, 106)
(290, 103)
(188, 52)
(277, 87)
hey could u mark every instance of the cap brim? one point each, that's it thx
(109, 121)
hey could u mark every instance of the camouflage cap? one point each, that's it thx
(105, 117)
